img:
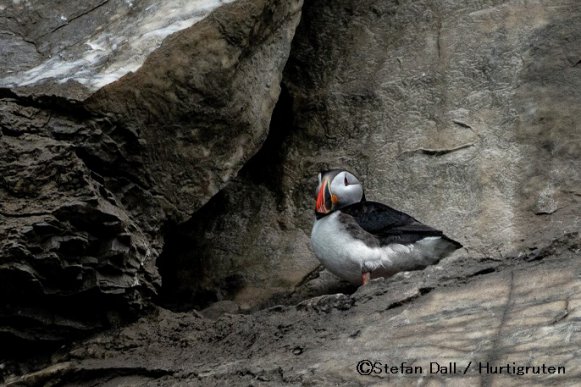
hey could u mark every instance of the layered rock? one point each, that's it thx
(479, 315)
(72, 258)
(463, 114)
(90, 180)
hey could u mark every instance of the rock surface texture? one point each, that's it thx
(469, 312)
(465, 115)
(160, 159)
(87, 187)
(74, 48)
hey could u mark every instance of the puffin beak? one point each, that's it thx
(334, 199)
(321, 207)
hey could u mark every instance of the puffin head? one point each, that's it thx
(337, 188)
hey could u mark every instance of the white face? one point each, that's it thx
(336, 190)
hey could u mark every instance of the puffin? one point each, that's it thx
(356, 239)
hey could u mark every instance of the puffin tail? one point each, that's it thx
(435, 248)
(449, 245)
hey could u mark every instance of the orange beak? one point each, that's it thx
(320, 207)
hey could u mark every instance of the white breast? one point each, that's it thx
(348, 257)
(341, 254)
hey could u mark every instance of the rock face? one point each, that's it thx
(468, 312)
(89, 187)
(243, 244)
(197, 170)
(72, 258)
(201, 104)
(462, 114)
(74, 48)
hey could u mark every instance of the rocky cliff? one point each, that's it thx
(93, 179)
(165, 156)
(459, 324)
(450, 111)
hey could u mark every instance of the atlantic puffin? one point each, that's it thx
(356, 239)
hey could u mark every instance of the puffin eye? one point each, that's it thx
(346, 182)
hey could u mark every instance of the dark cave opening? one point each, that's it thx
(187, 280)
(188, 262)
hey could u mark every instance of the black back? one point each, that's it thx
(389, 225)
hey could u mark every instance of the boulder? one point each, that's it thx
(96, 166)
(201, 104)
(72, 49)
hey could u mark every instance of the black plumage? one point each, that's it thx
(358, 240)
(387, 225)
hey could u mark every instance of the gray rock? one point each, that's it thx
(201, 104)
(462, 114)
(90, 181)
(75, 48)
(220, 308)
(72, 258)
(469, 312)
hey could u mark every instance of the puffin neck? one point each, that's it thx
(319, 215)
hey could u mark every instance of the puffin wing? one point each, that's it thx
(389, 225)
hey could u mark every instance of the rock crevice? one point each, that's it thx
(89, 184)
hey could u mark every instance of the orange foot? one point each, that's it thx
(365, 278)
